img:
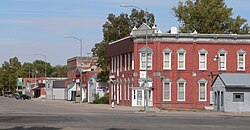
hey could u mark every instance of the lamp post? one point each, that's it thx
(217, 59)
(146, 80)
(80, 40)
(45, 67)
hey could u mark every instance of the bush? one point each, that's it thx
(102, 100)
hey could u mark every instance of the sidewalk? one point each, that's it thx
(150, 110)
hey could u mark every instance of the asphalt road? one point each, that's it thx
(64, 115)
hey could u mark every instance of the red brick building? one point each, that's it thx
(89, 68)
(181, 66)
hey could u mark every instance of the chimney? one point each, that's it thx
(174, 30)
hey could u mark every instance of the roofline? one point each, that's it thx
(77, 57)
(238, 86)
(120, 40)
(189, 37)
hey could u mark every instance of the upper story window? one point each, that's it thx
(222, 59)
(120, 63)
(167, 58)
(117, 65)
(166, 89)
(143, 59)
(129, 61)
(125, 62)
(181, 89)
(202, 89)
(241, 61)
(181, 59)
(112, 64)
(202, 59)
(133, 62)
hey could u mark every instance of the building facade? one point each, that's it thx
(80, 68)
(181, 67)
(56, 89)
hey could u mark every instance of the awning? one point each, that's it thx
(35, 87)
(73, 86)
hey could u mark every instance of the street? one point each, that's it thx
(38, 114)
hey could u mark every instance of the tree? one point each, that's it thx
(59, 71)
(209, 16)
(26, 70)
(39, 68)
(116, 28)
(9, 74)
(13, 69)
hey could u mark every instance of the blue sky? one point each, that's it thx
(29, 27)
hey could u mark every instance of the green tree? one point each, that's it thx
(9, 74)
(39, 68)
(59, 71)
(117, 27)
(26, 70)
(208, 16)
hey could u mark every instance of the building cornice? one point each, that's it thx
(185, 37)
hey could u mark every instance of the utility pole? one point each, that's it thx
(80, 68)
(146, 85)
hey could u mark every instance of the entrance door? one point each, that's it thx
(218, 101)
(139, 96)
(150, 98)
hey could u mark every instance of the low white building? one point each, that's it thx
(56, 89)
(232, 92)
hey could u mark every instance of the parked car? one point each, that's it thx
(8, 94)
(23, 97)
(15, 95)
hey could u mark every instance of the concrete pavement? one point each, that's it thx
(151, 109)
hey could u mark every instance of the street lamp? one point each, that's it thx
(146, 80)
(217, 59)
(45, 67)
(80, 40)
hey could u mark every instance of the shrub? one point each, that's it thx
(102, 100)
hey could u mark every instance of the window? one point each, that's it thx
(202, 89)
(202, 59)
(112, 65)
(238, 97)
(128, 61)
(120, 63)
(128, 89)
(181, 85)
(120, 89)
(125, 62)
(241, 60)
(117, 68)
(181, 59)
(143, 61)
(143, 51)
(167, 58)
(133, 62)
(222, 59)
(134, 95)
(125, 89)
(166, 90)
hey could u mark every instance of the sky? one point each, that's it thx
(31, 27)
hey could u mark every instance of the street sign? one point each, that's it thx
(162, 77)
